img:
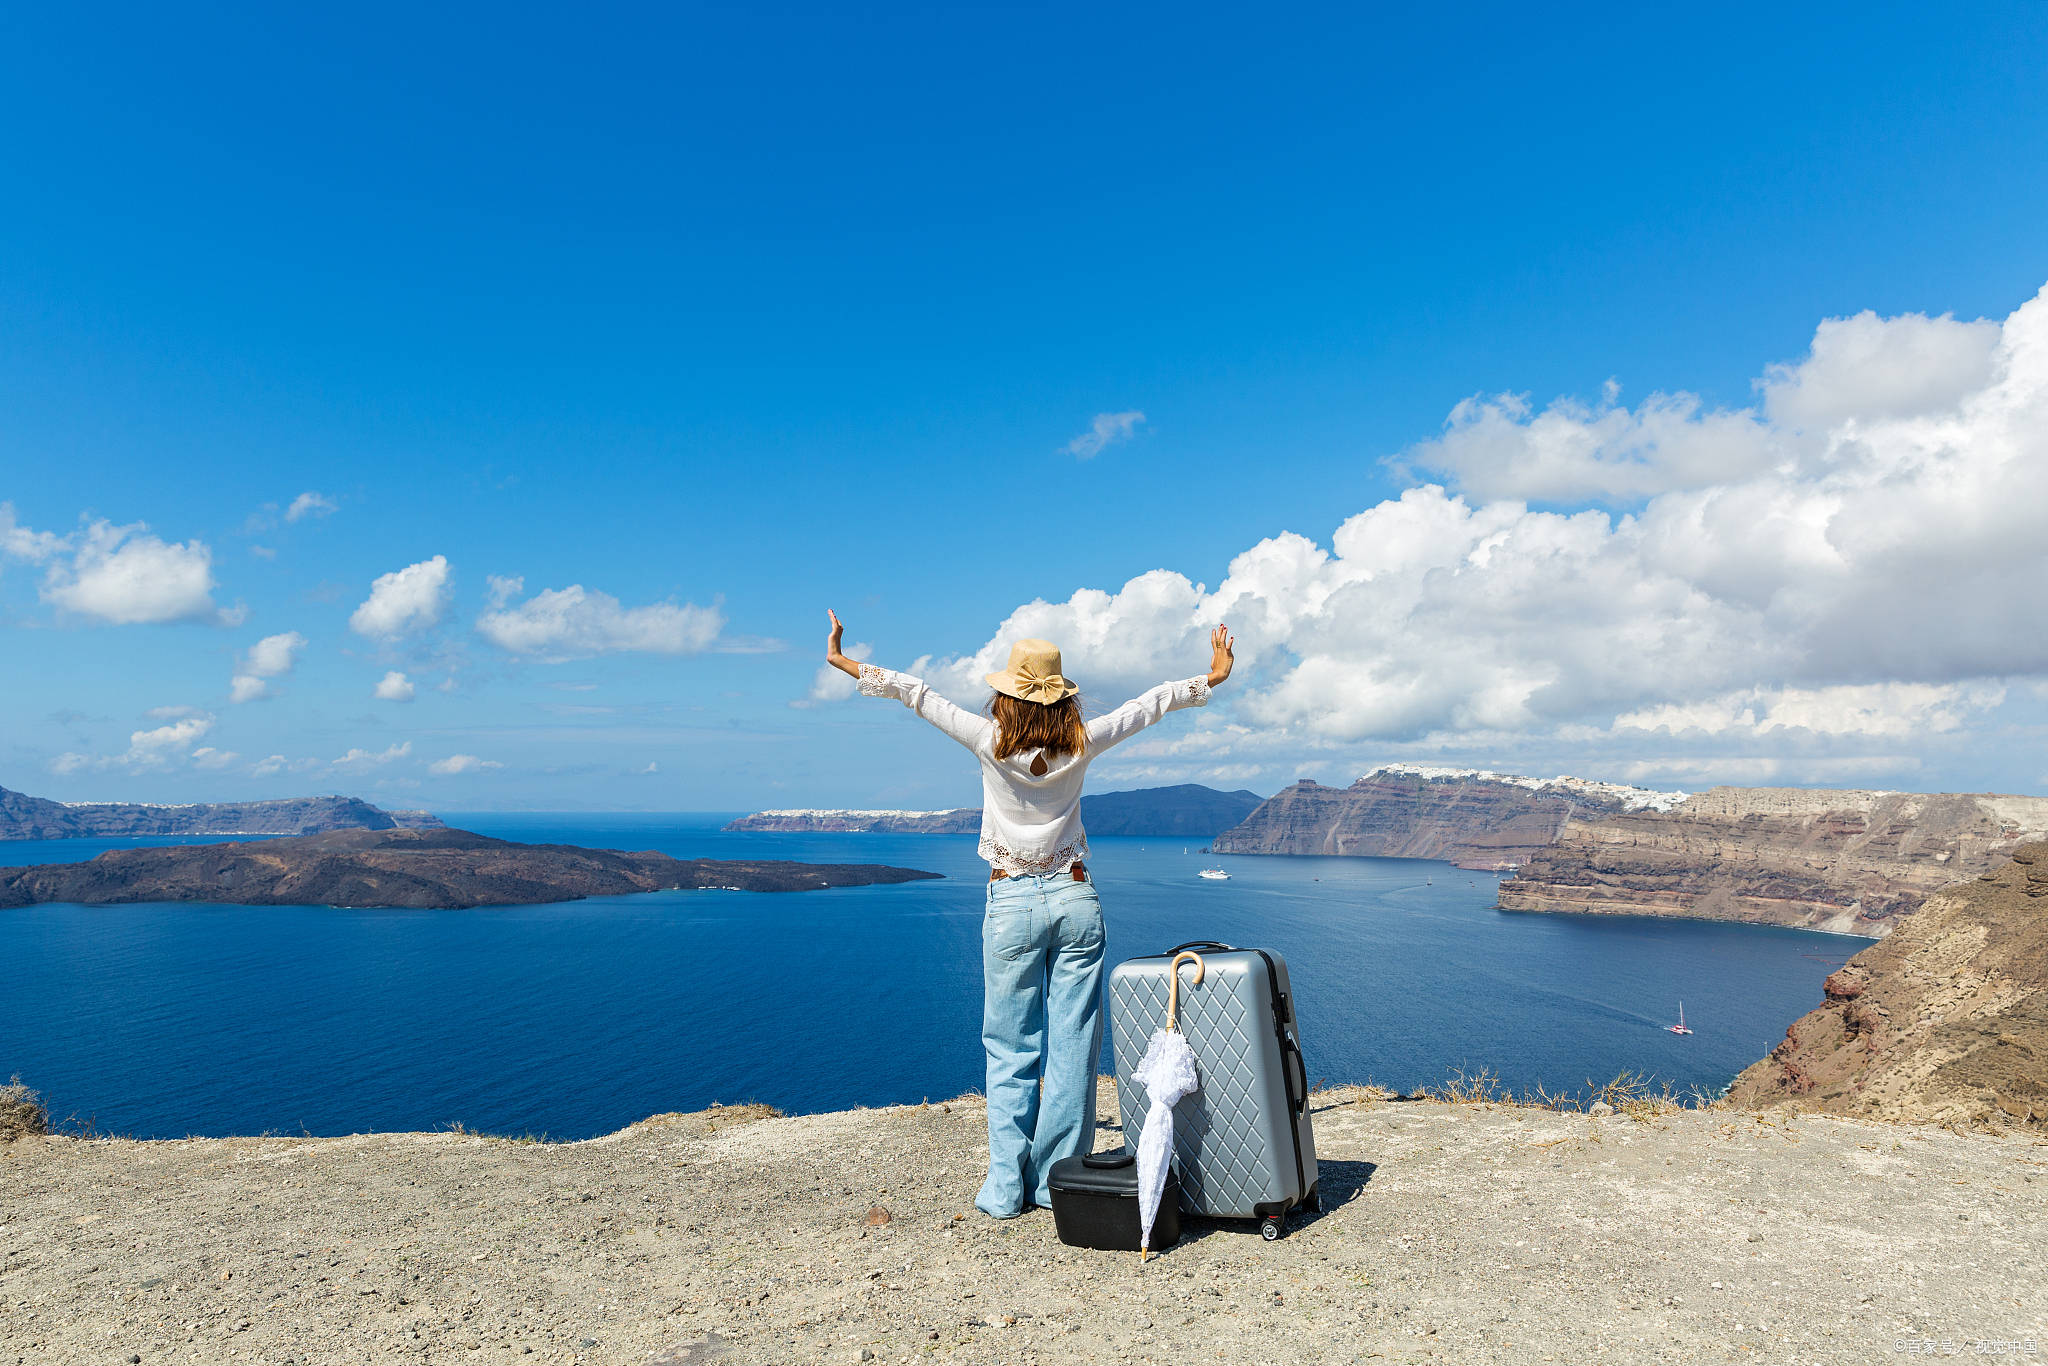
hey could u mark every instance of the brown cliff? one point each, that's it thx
(1472, 819)
(1845, 861)
(1945, 1020)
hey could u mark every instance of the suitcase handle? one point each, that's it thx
(1173, 989)
(1199, 944)
(1108, 1160)
(1301, 1066)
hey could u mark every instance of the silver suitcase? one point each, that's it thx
(1242, 1143)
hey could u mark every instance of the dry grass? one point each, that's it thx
(1635, 1096)
(1472, 1088)
(456, 1126)
(1630, 1094)
(22, 1113)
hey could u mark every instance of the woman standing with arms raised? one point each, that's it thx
(1041, 938)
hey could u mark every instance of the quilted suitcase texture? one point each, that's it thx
(1243, 1145)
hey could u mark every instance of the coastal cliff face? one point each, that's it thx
(1946, 1020)
(1845, 861)
(965, 820)
(23, 817)
(1473, 819)
(1187, 811)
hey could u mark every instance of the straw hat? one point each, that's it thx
(1034, 674)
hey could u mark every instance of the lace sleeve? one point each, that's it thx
(914, 693)
(1140, 712)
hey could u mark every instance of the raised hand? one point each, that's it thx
(1220, 656)
(833, 654)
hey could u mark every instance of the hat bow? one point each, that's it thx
(1034, 686)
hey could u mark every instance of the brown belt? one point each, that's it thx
(1080, 873)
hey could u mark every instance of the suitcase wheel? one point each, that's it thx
(1270, 1228)
(1315, 1202)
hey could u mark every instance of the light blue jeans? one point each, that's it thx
(1041, 1019)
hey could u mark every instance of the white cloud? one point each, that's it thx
(20, 543)
(309, 504)
(270, 657)
(1497, 447)
(1901, 710)
(1106, 430)
(361, 760)
(118, 574)
(208, 757)
(164, 744)
(158, 747)
(572, 622)
(395, 687)
(403, 601)
(1859, 371)
(1867, 367)
(277, 763)
(274, 656)
(1851, 559)
(461, 763)
(503, 589)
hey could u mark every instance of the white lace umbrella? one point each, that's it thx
(1167, 1073)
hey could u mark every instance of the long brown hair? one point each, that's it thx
(1054, 727)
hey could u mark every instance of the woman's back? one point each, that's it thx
(1031, 820)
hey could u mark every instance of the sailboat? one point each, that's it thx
(1679, 1028)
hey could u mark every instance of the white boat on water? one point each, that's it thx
(1214, 874)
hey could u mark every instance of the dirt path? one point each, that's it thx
(1468, 1234)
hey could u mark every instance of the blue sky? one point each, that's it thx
(730, 315)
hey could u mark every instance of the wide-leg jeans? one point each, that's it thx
(1041, 1021)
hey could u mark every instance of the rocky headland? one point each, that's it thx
(1185, 811)
(426, 869)
(1850, 862)
(1472, 818)
(960, 820)
(1944, 1020)
(23, 817)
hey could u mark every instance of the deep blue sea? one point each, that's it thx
(575, 1019)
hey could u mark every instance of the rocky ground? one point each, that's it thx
(1465, 1233)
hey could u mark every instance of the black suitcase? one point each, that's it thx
(1095, 1203)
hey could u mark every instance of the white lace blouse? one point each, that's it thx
(1031, 823)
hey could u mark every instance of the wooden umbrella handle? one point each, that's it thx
(1173, 992)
